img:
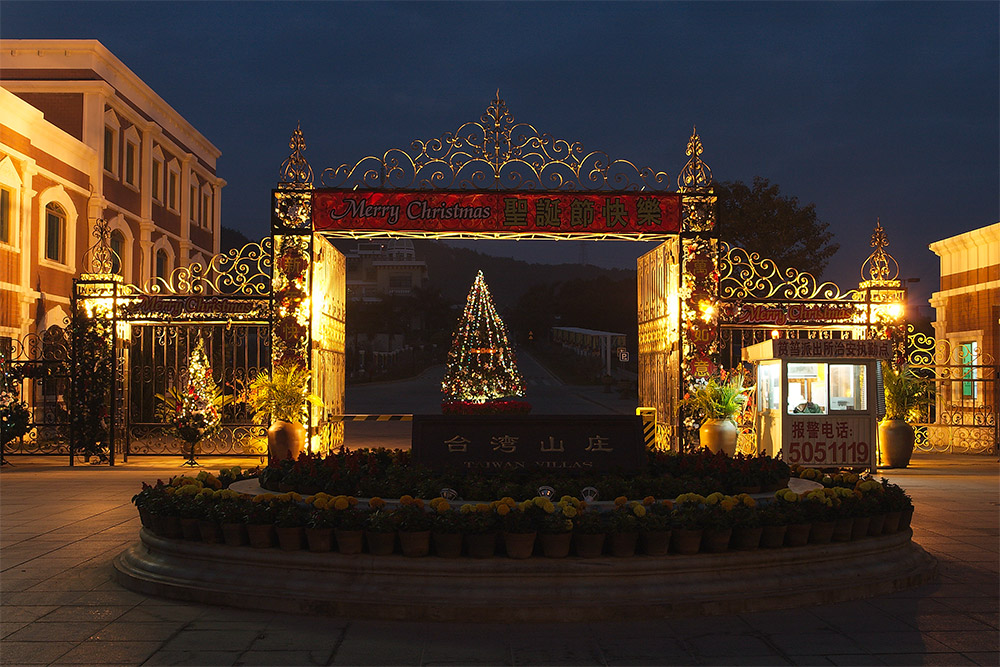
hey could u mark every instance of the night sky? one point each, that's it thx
(866, 109)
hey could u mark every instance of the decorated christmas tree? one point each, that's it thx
(481, 364)
(195, 412)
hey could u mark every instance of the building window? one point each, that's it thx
(172, 190)
(968, 353)
(118, 250)
(206, 210)
(110, 146)
(193, 205)
(162, 264)
(130, 166)
(157, 174)
(55, 232)
(6, 197)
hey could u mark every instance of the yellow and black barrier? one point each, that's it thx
(370, 418)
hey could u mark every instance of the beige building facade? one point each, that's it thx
(83, 138)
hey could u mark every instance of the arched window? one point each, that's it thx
(55, 232)
(118, 251)
(162, 264)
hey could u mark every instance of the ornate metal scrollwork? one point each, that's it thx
(101, 259)
(747, 275)
(495, 153)
(880, 267)
(243, 272)
(295, 170)
(695, 174)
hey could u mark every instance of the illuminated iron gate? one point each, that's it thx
(158, 361)
(43, 361)
(964, 415)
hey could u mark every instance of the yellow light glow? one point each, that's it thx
(775, 334)
(896, 310)
(707, 310)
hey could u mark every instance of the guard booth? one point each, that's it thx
(817, 400)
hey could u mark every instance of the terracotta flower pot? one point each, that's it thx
(234, 534)
(716, 540)
(285, 440)
(685, 541)
(556, 545)
(905, 518)
(481, 545)
(190, 530)
(842, 530)
(261, 535)
(822, 532)
(623, 544)
(891, 524)
(655, 542)
(896, 439)
(319, 540)
(773, 537)
(290, 538)
(416, 543)
(860, 528)
(876, 525)
(519, 545)
(447, 545)
(746, 538)
(210, 532)
(349, 541)
(588, 545)
(797, 534)
(380, 544)
(719, 435)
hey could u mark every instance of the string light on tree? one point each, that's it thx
(481, 364)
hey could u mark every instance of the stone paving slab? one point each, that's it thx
(61, 527)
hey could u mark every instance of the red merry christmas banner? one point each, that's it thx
(566, 213)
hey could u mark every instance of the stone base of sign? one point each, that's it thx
(535, 589)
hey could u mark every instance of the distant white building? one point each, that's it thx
(379, 269)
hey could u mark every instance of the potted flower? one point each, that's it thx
(590, 528)
(555, 530)
(690, 515)
(906, 394)
(446, 529)
(282, 397)
(773, 517)
(290, 522)
(654, 527)
(480, 523)
(719, 399)
(719, 520)
(319, 529)
(414, 526)
(798, 525)
(380, 528)
(898, 503)
(623, 526)
(821, 512)
(230, 512)
(747, 530)
(260, 521)
(521, 524)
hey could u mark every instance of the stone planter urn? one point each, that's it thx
(719, 435)
(285, 440)
(896, 438)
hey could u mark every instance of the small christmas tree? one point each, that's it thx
(14, 414)
(195, 412)
(481, 363)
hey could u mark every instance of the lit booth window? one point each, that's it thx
(816, 400)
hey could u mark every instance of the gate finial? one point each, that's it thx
(100, 257)
(880, 265)
(695, 174)
(295, 171)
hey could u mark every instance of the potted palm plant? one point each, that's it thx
(719, 400)
(906, 394)
(282, 397)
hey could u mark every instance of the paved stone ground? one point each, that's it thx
(61, 527)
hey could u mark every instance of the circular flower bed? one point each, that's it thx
(849, 507)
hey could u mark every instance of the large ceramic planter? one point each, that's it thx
(415, 543)
(481, 545)
(285, 440)
(519, 545)
(719, 435)
(685, 541)
(623, 544)
(349, 541)
(447, 545)
(588, 545)
(656, 542)
(556, 545)
(895, 438)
